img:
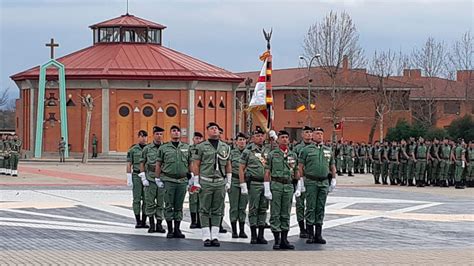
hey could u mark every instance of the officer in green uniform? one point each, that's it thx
(61, 149)
(369, 162)
(445, 156)
(281, 169)
(339, 157)
(228, 181)
(3, 143)
(375, 156)
(384, 165)
(237, 200)
(362, 158)
(173, 168)
(347, 158)
(459, 159)
(411, 162)
(94, 146)
(428, 163)
(435, 161)
(194, 197)
(403, 163)
(211, 168)
(421, 154)
(252, 172)
(154, 191)
(134, 156)
(306, 135)
(316, 164)
(393, 162)
(470, 164)
(15, 148)
(7, 151)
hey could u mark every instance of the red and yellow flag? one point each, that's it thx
(261, 102)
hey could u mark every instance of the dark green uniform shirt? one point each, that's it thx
(149, 157)
(282, 166)
(235, 155)
(458, 151)
(254, 159)
(444, 152)
(174, 162)
(421, 152)
(317, 160)
(213, 161)
(134, 155)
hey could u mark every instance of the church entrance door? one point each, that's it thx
(124, 128)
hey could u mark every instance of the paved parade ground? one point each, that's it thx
(77, 214)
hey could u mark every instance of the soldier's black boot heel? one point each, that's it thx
(234, 229)
(152, 225)
(144, 225)
(170, 229)
(284, 244)
(221, 228)
(276, 245)
(177, 230)
(193, 221)
(159, 227)
(310, 230)
(260, 238)
(242, 230)
(303, 233)
(318, 239)
(253, 235)
(139, 222)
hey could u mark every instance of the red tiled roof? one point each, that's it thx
(350, 78)
(134, 61)
(436, 88)
(128, 20)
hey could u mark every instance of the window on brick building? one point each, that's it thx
(452, 107)
(400, 101)
(293, 100)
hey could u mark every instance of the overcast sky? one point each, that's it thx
(226, 33)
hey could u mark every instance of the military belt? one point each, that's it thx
(316, 178)
(235, 176)
(217, 179)
(282, 180)
(151, 168)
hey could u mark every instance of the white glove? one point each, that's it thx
(298, 189)
(196, 181)
(332, 187)
(273, 134)
(228, 181)
(303, 188)
(243, 189)
(144, 180)
(159, 183)
(129, 180)
(191, 181)
(267, 193)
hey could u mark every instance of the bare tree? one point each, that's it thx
(382, 66)
(334, 37)
(402, 62)
(4, 97)
(88, 102)
(461, 57)
(431, 59)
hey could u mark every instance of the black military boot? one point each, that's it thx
(276, 245)
(339, 173)
(356, 171)
(234, 229)
(318, 239)
(253, 234)
(198, 220)
(221, 229)
(310, 230)
(350, 173)
(144, 225)
(170, 229)
(159, 227)
(303, 233)
(152, 224)
(284, 244)
(139, 222)
(242, 230)
(177, 230)
(193, 221)
(362, 172)
(344, 171)
(260, 238)
(377, 181)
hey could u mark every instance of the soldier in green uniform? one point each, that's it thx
(237, 200)
(61, 149)
(134, 156)
(393, 162)
(154, 187)
(194, 197)
(369, 162)
(95, 142)
(411, 162)
(445, 156)
(15, 149)
(281, 169)
(403, 163)
(211, 168)
(421, 154)
(433, 156)
(3, 143)
(362, 157)
(316, 164)
(428, 163)
(459, 159)
(375, 156)
(470, 164)
(339, 157)
(347, 158)
(7, 153)
(306, 135)
(384, 165)
(356, 147)
(251, 172)
(173, 168)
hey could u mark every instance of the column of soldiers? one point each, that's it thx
(423, 163)
(10, 148)
(254, 173)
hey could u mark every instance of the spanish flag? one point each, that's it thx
(261, 102)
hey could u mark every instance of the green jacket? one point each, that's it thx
(235, 155)
(444, 152)
(174, 162)
(134, 156)
(458, 151)
(317, 161)
(149, 157)
(421, 152)
(213, 161)
(281, 166)
(254, 159)
(299, 147)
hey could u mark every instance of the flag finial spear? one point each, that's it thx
(268, 36)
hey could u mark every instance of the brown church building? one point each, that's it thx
(135, 82)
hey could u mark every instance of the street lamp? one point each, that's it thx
(309, 82)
